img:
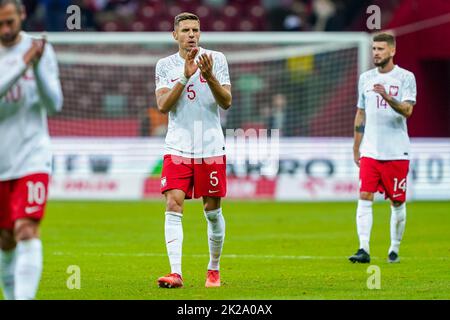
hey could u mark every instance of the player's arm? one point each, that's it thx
(10, 73)
(8, 79)
(221, 93)
(405, 108)
(360, 121)
(166, 98)
(47, 79)
(13, 74)
(16, 69)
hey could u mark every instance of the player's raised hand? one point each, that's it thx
(205, 64)
(379, 88)
(41, 47)
(34, 53)
(190, 67)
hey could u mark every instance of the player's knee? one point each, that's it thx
(7, 240)
(26, 230)
(210, 207)
(368, 196)
(174, 205)
(211, 203)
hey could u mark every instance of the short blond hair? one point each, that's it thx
(185, 16)
(385, 37)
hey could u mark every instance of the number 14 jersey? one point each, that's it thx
(386, 134)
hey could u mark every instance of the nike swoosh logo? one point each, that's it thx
(173, 80)
(31, 210)
(211, 191)
(171, 240)
(396, 195)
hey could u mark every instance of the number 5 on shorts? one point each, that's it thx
(214, 180)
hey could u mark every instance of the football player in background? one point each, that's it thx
(387, 95)
(29, 90)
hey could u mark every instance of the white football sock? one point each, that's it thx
(216, 236)
(364, 223)
(28, 268)
(7, 266)
(398, 221)
(174, 239)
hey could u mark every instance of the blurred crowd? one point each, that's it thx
(215, 15)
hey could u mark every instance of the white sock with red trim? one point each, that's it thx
(364, 223)
(28, 268)
(398, 221)
(173, 230)
(216, 236)
(7, 266)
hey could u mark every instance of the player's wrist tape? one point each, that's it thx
(183, 79)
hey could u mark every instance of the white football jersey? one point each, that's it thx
(386, 134)
(26, 95)
(194, 129)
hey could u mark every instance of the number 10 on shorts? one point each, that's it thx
(36, 192)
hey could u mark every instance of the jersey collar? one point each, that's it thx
(387, 73)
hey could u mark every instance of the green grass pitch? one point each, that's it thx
(272, 251)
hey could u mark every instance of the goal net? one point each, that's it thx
(303, 84)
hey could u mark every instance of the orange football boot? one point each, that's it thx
(212, 279)
(172, 280)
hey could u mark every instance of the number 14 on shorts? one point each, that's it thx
(400, 185)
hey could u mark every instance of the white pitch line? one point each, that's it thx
(233, 256)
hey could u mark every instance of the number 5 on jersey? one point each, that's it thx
(191, 93)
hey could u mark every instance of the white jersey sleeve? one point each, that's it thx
(361, 102)
(410, 90)
(161, 78)
(221, 66)
(47, 80)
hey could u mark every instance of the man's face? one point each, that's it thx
(382, 53)
(187, 34)
(10, 24)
